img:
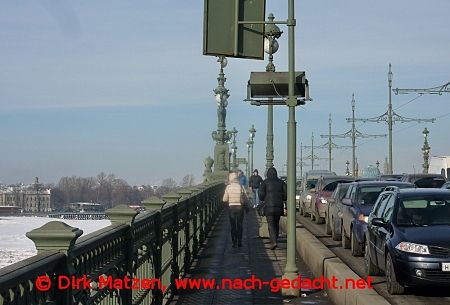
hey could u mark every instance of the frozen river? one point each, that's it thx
(15, 246)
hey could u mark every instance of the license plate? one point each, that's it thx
(446, 267)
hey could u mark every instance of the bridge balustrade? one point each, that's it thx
(159, 243)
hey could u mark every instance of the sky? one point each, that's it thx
(123, 87)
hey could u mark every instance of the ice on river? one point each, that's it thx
(15, 246)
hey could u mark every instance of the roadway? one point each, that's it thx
(416, 296)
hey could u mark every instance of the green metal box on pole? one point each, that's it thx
(224, 35)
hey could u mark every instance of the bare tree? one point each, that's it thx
(187, 181)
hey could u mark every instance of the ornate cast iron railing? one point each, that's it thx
(150, 249)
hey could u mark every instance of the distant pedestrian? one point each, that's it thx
(273, 191)
(242, 179)
(255, 182)
(236, 197)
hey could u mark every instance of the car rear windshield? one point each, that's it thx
(330, 187)
(311, 183)
(430, 182)
(424, 211)
(369, 194)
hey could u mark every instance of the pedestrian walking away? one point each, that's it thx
(237, 198)
(255, 182)
(273, 191)
(242, 179)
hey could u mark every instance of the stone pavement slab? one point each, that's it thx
(219, 260)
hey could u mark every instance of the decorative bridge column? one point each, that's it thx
(221, 135)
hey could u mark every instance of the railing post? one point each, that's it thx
(197, 221)
(186, 194)
(200, 204)
(59, 237)
(122, 214)
(169, 199)
(151, 204)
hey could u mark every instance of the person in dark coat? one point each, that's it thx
(254, 182)
(273, 191)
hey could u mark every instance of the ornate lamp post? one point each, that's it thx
(221, 135)
(425, 151)
(249, 144)
(347, 171)
(272, 33)
(234, 149)
(252, 136)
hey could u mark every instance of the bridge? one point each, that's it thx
(171, 252)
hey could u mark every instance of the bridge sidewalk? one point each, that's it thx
(219, 260)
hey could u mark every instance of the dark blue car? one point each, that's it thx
(408, 238)
(356, 207)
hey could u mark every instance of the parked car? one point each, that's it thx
(298, 192)
(425, 180)
(408, 238)
(334, 211)
(391, 177)
(309, 182)
(321, 193)
(356, 206)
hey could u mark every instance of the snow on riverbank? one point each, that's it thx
(15, 246)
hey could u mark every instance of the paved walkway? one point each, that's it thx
(219, 260)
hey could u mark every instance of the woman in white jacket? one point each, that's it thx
(232, 195)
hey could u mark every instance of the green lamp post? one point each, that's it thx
(426, 151)
(291, 270)
(221, 135)
(271, 33)
(234, 149)
(249, 144)
(252, 136)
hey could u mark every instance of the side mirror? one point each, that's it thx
(347, 201)
(379, 222)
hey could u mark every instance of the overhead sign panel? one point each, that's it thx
(276, 84)
(224, 35)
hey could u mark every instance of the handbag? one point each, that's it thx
(261, 209)
(245, 203)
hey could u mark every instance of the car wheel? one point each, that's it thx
(327, 225)
(393, 286)
(345, 239)
(335, 233)
(355, 245)
(371, 268)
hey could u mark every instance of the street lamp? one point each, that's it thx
(221, 135)
(234, 149)
(390, 164)
(347, 171)
(425, 151)
(252, 136)
(271, 33)
(249, 144)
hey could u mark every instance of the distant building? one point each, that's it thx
(29, 198)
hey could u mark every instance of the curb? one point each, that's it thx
(323, 262)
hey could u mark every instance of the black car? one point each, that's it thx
(390, 177)
(408, 238)
(356, 206)
(425, 180)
